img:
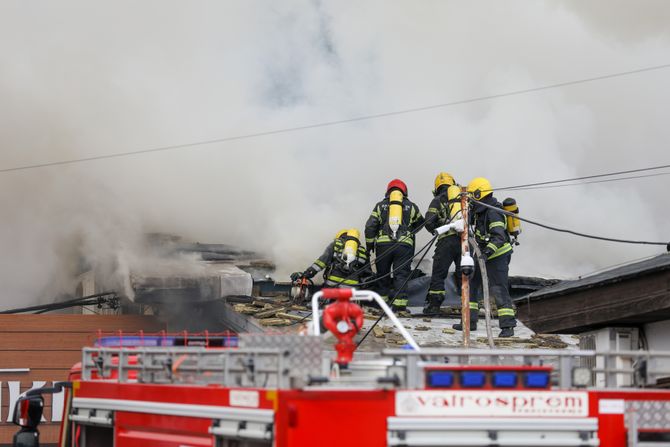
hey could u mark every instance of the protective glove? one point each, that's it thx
(309, 273)
(296, 276)
(458, 225)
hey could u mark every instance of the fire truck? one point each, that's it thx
(288, 390)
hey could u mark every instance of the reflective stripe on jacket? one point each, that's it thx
(377, 228)
(491, 228)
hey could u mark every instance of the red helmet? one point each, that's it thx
(397, 183)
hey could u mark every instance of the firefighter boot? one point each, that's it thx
(459, 326)
(432, 306)
(506, 332)
(474, 316)
(399, 306)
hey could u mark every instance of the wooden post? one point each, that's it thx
(465, 282)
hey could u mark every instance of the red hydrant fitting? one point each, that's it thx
(344, 319)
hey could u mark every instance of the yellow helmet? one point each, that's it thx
(479, 188)
(341, 233)
(353, 232)
(443, 178)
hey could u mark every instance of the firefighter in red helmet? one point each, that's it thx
(389, 232)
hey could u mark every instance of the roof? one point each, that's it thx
(615, 275)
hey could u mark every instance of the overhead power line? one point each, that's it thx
(586, 177)
(337, 122)
(576, 233)
(533, 188)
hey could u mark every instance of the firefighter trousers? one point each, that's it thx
(447, 251)
(497, 270)
(397, 258)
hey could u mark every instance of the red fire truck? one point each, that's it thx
(286, 390)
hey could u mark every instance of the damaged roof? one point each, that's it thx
(613, 276)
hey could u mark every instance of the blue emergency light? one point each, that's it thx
(473, 379)
(504, 379)
(536, 379)
(440, 379)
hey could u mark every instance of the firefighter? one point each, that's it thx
(444, 208)
(389, 232)
(344, 262)
(494, 243)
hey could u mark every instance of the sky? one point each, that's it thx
(80, 80)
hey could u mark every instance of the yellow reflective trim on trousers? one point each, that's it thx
(432, 210)
(505, 312)
(437, 292)
(404, 240)
(474, 306)
(507, 247)
(339, 280)
(447, 234)
(400, 302)
(496, 224)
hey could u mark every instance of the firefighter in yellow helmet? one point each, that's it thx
(344, 261)
(494, 243)
(443, 209)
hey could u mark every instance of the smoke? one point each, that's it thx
(81, 80)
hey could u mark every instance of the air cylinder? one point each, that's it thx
(395, 211)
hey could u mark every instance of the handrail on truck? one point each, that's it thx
(362, 295)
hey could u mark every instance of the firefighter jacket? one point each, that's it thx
(336, 269)
(441, 212)
(490, 228)
(377, 227)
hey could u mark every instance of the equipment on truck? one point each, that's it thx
(286, 390)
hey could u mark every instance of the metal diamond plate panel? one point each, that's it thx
(648, 414)
(303, 353)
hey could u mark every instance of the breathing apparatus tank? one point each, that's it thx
(395, 211)
(351, 246)
(513, 223)
(454, 202)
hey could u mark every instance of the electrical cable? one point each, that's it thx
(395, 268)
(533, 188)
(576, 233)
(87, 300)
(427, 249)
(337, 122)
(586, 177)
(387, 253)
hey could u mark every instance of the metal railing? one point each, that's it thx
(244, 367)
(273, 367)
(362, 295)
(613, 369)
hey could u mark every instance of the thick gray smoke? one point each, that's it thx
(81, 79)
